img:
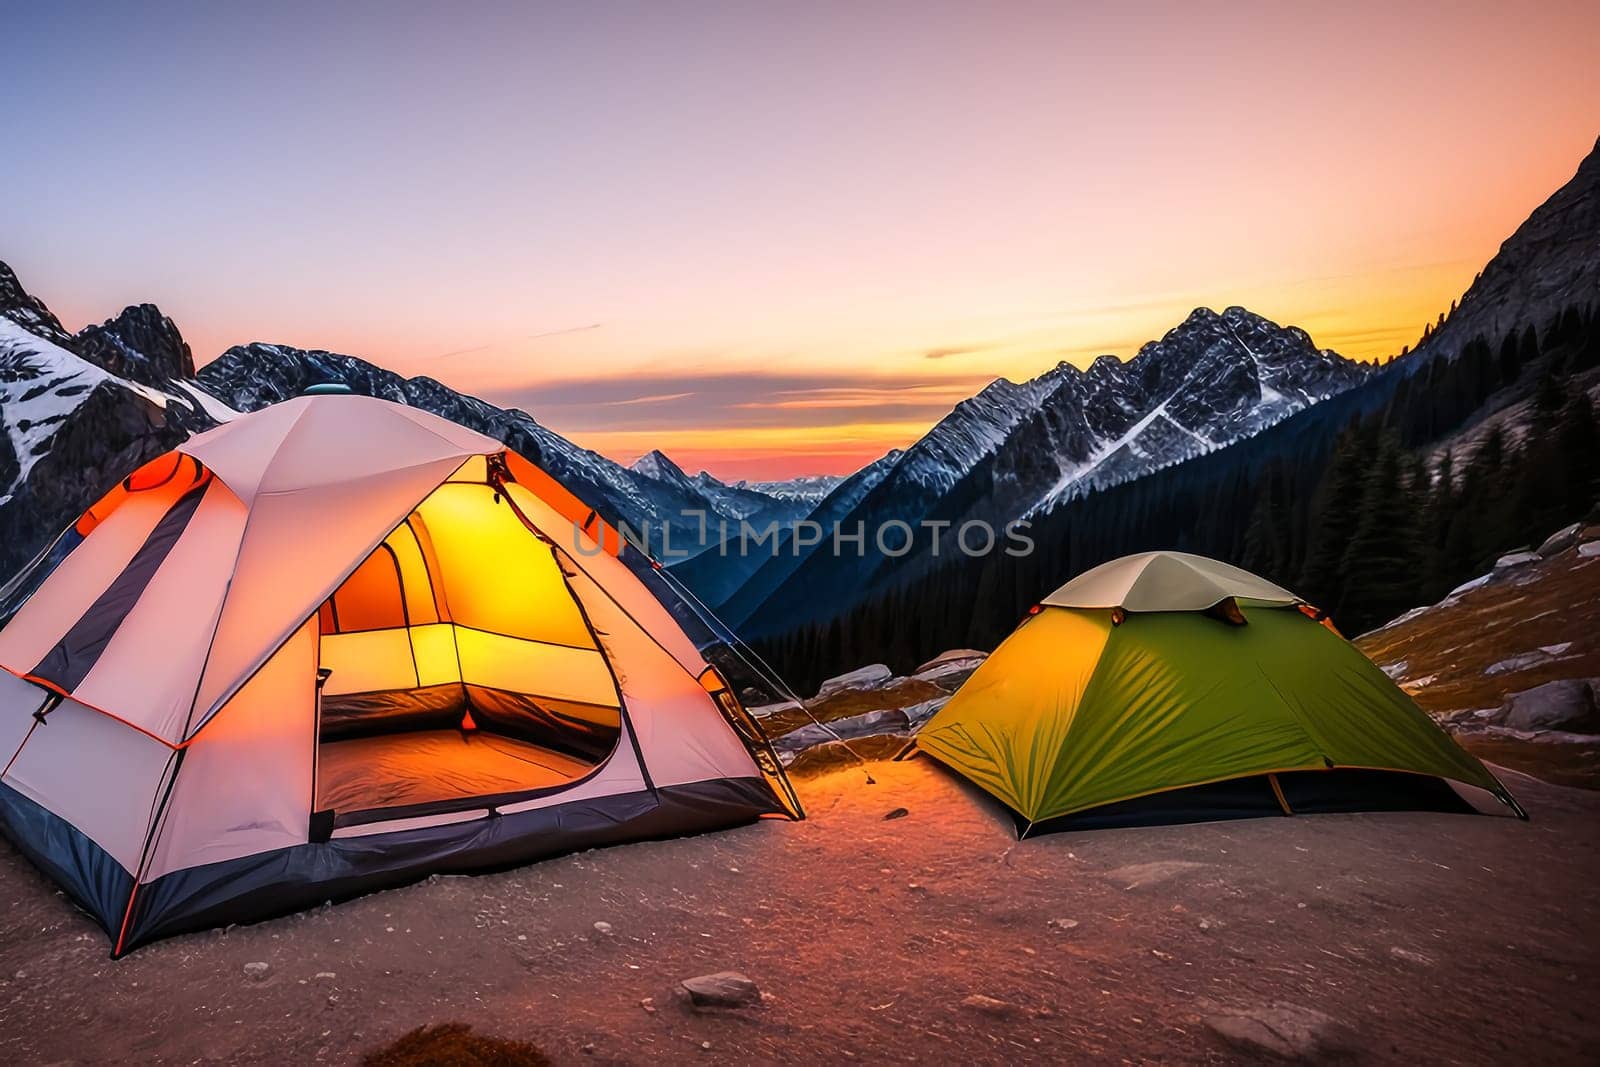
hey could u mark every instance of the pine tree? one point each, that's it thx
(1510, 359)
(1577, 441)
(1549, 397)
(1267, 538)
(1334, 517)
(1382, 560)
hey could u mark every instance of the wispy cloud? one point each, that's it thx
(739, 400)
(959, 350)
(570, 329)
(523, 340)
(659, 398)
(463, 351)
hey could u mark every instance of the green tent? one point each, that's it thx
(1170, 686)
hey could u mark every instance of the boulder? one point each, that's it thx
(873, 676)
(917, 714)
(1467, 587)
(885, 721)
(767, 710)
(1567, 704)
(1560, 541)
(1281, 1031)
(1515, 559)
(955, 655)
(725, 989)
(1589, 550)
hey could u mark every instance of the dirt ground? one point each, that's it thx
(1426, 938)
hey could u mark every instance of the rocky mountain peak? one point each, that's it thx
(1546, 266)
(27, 310)
(658, 465)
(141, 344)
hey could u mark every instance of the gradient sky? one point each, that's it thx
(773, 238)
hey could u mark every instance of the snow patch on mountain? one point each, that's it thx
(1211, 381)
(41, 384)
(809, 488)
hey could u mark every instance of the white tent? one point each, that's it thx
(336, 645)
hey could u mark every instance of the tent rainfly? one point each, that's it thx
(1170, 687)
(336, 645)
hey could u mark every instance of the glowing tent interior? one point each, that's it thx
(336, 645)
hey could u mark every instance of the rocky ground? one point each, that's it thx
(934, 936)
(904, 922)
(1510, 661)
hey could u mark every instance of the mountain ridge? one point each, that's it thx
(1208, 382)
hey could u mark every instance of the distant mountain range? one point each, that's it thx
(136, 375)
(1019, 450)
(69, 426)
(81, 409)
(1383, 494)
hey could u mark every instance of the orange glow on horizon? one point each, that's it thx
(772, 239)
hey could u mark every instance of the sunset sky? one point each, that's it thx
(774, 238)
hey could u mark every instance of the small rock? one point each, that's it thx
(257, 970)
(1520, 662)
(706, 1045)
(589, 1049)
(897, 813)
(649, 1005)
(725, 989)
(1140, 875)
(602, 927)
(1411, 957)
(999, 1009)
(326, 974)
(1063, 924)
(1515, 559)
(1590, 550)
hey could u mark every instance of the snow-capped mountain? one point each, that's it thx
(765, 570)
(1015, 450)
(658, 465)
(1212, 380)
(71, 424)
(739, 501)
(715, 571)
(722, 503)
(904, 485)
(809, 488)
